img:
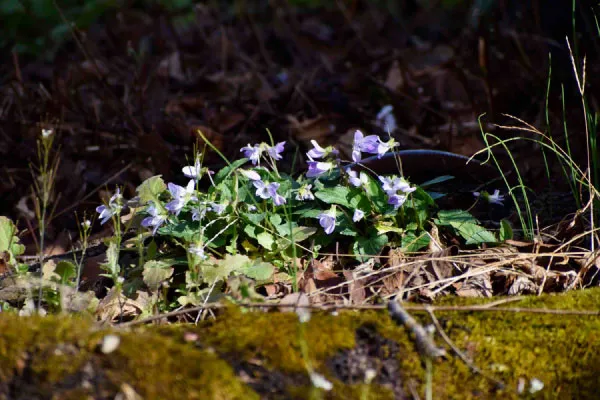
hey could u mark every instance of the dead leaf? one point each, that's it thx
(477, 286)
(356, 287)
(294, 299)
(116, 306)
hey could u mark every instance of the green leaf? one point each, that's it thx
(301, 233)
(259, 270)
(448, 217)
(112, 259)
(466, 226)
(375, 192)
(308, 213)
(275, 219)
(151, 188)
(231, 264)
(237, 262)
(254, 218)
(506, 232)
(422, 198)
(184, 230)
(250, 230)
(412, 242)
(266, 240)
(156, 272)
(335, 195)
(66, 270)
(474, 234)
(226, 171)
(383, 227)
(367, 247)
(359, 199)
(9, 242)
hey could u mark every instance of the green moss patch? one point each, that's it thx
(245, 354)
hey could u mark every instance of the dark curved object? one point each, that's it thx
(422, 165)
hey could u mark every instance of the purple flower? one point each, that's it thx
(327, 220)
(197, 250)
(253, 153)
(366, 144)
(397, 200)
(392, 185)
(181, 196)
(385, 119)
(355, 179)
(278, 199)
(252, 175)
(384, 147)
(495, 198)
(318, 168)
(198, 213)
(269, 191)
(218, 208)
(275, 151)
(304, 193)
(193, 171)
(358, 215)
(105, 213)
(317, 151)
(156, 219)
(115, 204)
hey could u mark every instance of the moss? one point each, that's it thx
(56, 355)
(160, 367)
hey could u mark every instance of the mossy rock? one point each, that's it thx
(246, 354)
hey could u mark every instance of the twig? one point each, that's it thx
(425, 345)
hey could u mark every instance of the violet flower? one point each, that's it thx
(199, 213)
(253, 153)
(384, 147)
(193, 171)
(275, 151)
(327, 220)
(269, 191)
(357, 179)
(304, 193)
(318, 168)
(197, 250)
(385, 119)
(181, 196)
(156, 219)
(218, 208)
(495, 198)
(392, 185)
(250, 174)
(366, 144)
(115, 204)
(317, 151)
(397, 200)
(358, 215)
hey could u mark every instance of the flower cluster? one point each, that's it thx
(396, 188)
(255, 152)
(392, 185)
